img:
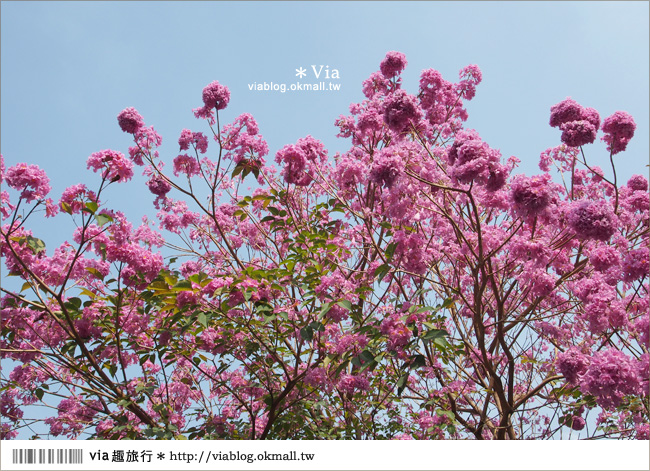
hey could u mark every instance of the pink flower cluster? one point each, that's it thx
(579, 125)
(387, 167)
(350, 383)
(609, 374)
(130, 120)
(592, 220)
(242, 140)
(196, 139)
(187, 165)
(619, 129)
(74, 416)
(76, 197)
(30, 180)
(401, 112)
(441, 99)
(158, 185)
(530, 195)
(393, 64)
(395, 329)
(471, 159)
(215, 96)
(301, 159)
(113, 165)
(636, 264)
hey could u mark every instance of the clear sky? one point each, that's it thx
(68, 69)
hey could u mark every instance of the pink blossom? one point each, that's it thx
(113, 164)
(30, 180)
(76, 197)
(577, 423)
(147, 139)
(636, 264)
(216, 96)
(349, 173)
(316, 377)
(350, 342)
(337, 313)
(638, 183)
(619, 129)
(591, 115)
(471, 159)
(401, 111)
(376, 84)
(159, 186)
(642, 328)
(470, 76)
(387, 167)
(130, 120)
(185, 298)
(578, 133)
(187, 165)
(396, 331)
(530, 195)
(196, 139)
(604, 256)
(593, 220)
(6, 208)
(393, 64)
(299, 160)
(610, 376)
(349, 383)
(564, 112)
(572, 364)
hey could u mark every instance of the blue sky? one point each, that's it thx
(68, 69)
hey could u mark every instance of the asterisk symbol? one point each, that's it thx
(301, 72)
(161, 456)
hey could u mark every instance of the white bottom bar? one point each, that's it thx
(323, 455)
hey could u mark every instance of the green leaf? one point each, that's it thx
(401, 384)
(345, 304)
(238, 169)
(307, 333)
(381, 271)
(37, 245)
(317, 326)
(390, 250)
(183, 285)
(74, 303)
(103, 219)
(95, 272)
(447, 303)
(433, 334)
(202, 319)
(251, 348)
(92, 207)
(66, 208)
(366, 356)
(417, 361)
(324, 309)
(39, 394)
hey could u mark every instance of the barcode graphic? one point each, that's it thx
(58, 456)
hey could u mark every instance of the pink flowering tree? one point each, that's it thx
(415, 286)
